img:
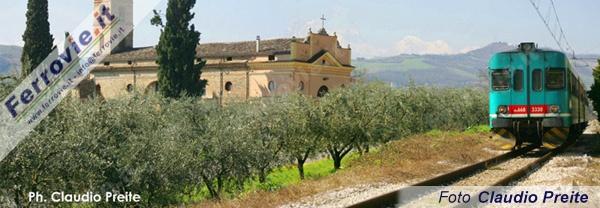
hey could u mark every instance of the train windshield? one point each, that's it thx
(518, 80)
(500, 79)
(555, 79)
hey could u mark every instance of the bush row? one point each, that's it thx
(169, 149)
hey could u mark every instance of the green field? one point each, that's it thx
(279, 178)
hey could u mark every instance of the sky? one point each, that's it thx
(375, 28)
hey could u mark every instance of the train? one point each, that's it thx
(536, 97)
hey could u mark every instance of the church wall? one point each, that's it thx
(322, 42)
(144, 79)
(249, 76)
(113, 84)
(305, 51)
(238, 79)
(259, 82)
(344, 56)
(317, 80)
(304, 78)
(300, 51)
(217, 78)
(213, 84)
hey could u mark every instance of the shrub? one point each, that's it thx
(167, 149)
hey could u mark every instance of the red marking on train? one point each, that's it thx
(539, 109)
(533, 109)
(517, 109)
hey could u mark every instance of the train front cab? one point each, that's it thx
(530, 97)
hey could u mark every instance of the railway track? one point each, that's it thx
(411, 193)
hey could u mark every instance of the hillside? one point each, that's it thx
(441, 70)
(10, 62)
(466, 69)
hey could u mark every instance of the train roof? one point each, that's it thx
(534, 48)
(538, 50)
(531, 47)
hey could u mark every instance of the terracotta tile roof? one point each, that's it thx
(215, 50)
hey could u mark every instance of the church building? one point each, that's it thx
(312, 65)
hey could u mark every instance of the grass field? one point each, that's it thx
(408, 159)
(280, 178)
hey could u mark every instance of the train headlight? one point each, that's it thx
(502, 109)
(554, 109)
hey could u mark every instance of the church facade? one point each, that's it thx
(312, 65)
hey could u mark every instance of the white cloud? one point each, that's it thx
(363, 47)
(468, 49)
(415, 45)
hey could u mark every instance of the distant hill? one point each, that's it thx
(466, 69)
(10, 60)
(440, 70)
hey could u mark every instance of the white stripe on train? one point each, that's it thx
(532, 115)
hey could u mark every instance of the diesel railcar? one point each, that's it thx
(536, 97)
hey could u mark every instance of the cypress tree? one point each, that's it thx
(178, 73)
(594, 93)
(37, 37)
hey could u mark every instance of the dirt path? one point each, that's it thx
(579, 165)
(396, 164)
(344, 197)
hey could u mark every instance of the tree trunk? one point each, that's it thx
(338, 154)
(301, 169)
(211, 190)
(219, 184)
(17, 200)
(262, 176)
(337, 161)
(360, 149)
(210, 186)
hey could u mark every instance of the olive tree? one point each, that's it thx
(223, 148)
(266, 127)
(61, 154)
(374, 115)
(159, 156)
(164, 148)
(300, 130)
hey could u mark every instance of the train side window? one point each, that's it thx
(500, 79)
(576, 87)
(518, 80)
(555, 79)
(573, 85)
(537, 80)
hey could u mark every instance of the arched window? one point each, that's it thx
(152, 87)
(301, 86)
(98, 92)
(228, 86)
(130, 88)
(272, 86)
(322, 91)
